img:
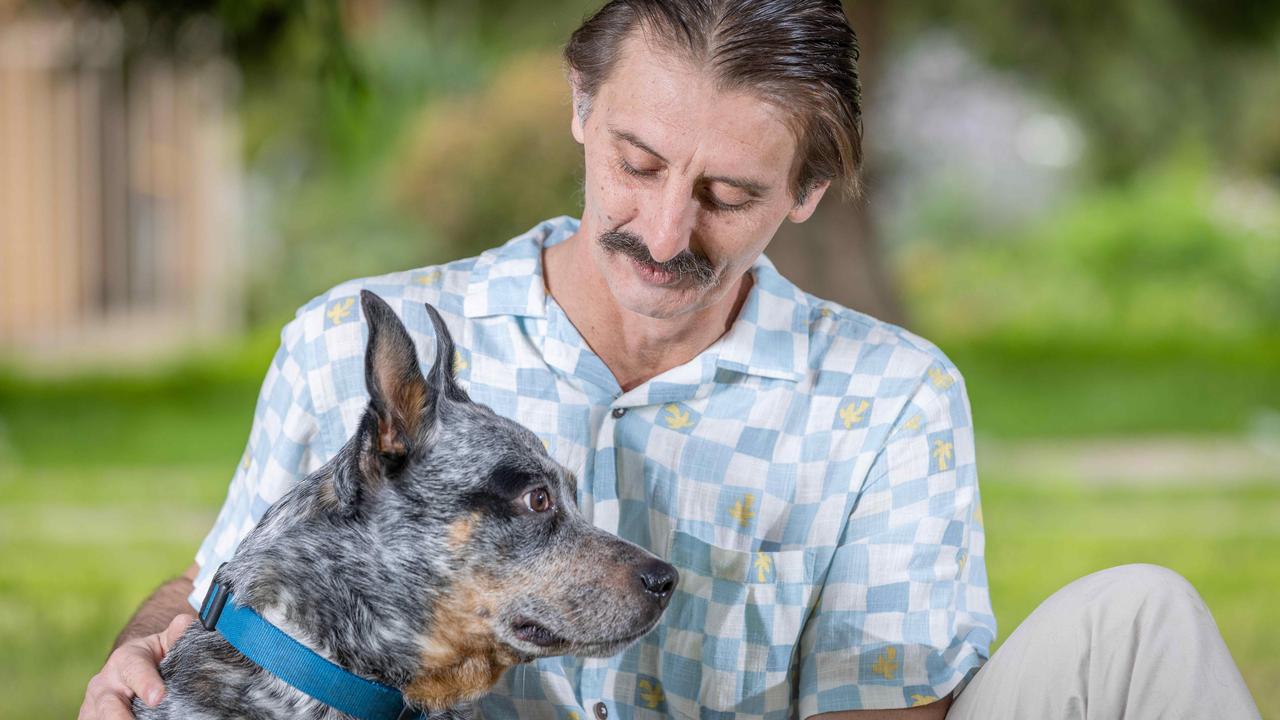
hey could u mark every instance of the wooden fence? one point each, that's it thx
(119, 195)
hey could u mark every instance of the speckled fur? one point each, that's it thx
(411, 557)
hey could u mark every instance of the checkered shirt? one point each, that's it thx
(811, 474)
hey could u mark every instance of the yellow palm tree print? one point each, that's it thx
(741, 510)
(940, 379)
(340, 310)
(943, 452)
(763, 565)
(852, 413)
(922, 700)
(677, 418)
(651, 694)
(886, 666)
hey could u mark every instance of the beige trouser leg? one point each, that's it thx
(1132, 642)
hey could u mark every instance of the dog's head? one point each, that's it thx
(464, 511)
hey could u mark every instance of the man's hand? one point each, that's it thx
(132, 669)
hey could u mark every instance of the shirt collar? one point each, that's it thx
(769, 338)
(507, 280)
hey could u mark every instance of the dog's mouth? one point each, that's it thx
(528, 631)
(531, 632)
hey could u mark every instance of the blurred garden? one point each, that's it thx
(1078, 201)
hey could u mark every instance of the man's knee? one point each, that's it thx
(1143, 581)
(1136, 595)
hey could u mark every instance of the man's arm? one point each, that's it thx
(132, 669)
(932, 711)
(908, 571)
(160, 608)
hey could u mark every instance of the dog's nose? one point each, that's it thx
(659, 579)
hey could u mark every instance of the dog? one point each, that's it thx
(439, 547)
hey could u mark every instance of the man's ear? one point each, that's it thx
(802, 210)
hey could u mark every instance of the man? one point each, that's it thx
(808, 468)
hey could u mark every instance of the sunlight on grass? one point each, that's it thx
(1223, 539)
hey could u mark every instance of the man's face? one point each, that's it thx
(685, 185)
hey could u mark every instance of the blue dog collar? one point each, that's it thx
(271, 649)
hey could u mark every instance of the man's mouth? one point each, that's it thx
(653, 274)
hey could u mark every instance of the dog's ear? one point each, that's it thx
(403, 403)
(399, 399)
(440, 379)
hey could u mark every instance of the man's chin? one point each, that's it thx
(661, 304)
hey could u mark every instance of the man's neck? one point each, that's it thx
(636, 348)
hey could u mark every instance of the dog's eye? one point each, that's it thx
(538, 500)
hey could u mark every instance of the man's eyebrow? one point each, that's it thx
(750, 187)
(624, 135)
(753, 188)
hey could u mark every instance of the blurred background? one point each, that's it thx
(1078, 200)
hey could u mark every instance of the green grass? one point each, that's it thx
(1225, 540)
(81, 548)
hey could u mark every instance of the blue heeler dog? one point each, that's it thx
(441, 546)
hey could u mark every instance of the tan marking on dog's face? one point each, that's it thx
(459, 532)
(462, 658)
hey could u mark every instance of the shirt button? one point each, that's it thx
(617, 413)
(602, 712)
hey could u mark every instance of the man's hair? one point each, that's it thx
(798, 55)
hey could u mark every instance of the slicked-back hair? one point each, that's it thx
(798, 55)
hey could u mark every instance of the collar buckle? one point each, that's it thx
(214, 600)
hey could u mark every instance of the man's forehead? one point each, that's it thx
(660, 102)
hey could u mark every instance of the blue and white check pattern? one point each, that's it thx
(811, 474)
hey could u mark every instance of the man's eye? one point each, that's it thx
(721, 206)
(538, 500)
(630, 169)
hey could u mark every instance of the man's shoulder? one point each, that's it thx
(445, 285)
(844, 340)
(336, 312)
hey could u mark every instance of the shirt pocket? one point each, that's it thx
(732, 628)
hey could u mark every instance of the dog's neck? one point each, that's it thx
(333, 601)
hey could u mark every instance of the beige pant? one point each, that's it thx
(1132, 642)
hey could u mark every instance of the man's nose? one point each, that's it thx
(671, 223)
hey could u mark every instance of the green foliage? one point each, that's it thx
(447, 142)
(1145, 76)
(1174, 255)
(484, 167)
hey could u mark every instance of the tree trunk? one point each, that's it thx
(836, 254)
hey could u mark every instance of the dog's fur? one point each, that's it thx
(421, 556)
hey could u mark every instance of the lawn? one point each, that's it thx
(107, 486)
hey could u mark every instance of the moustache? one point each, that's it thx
(692, 267)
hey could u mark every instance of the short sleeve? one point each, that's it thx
(904, 615)
(279, 454)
